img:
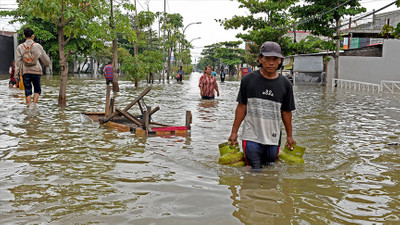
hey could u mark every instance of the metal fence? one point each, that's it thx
(385, 86)
(355, 85)
(390, 86)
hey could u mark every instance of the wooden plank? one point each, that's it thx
(137, 99)
(188, 119)
(130, 105)
(129, 117)
(181, 132)
(118, 126)
(140, 107)
(140, 132)
(154, 110)
(162, 133)
(147, 119)
(159, 124)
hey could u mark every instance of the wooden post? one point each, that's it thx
(140, 107)
(112, 105)
(147, 119)
(188, 119)
(108, 92)
(388, 34)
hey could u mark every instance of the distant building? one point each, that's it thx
(361, 35)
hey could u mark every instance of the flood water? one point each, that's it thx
(58, 168)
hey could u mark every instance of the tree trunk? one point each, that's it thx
(151, 78)
(115, 66)
(62, 97)
(337, 49)
(169, 63)
(115, 50)
(78, 64)
(135, 44)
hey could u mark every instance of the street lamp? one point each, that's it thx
(194, 39)
(184, 29)
(183, 32)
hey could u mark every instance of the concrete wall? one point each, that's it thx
(371, 69)
(330, 70)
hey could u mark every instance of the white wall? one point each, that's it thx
(371, 69)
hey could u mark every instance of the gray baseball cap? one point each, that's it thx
(270, 48)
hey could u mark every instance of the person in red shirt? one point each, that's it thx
(13, 82)
(208, 84)
(108, 73)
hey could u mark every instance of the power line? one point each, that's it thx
(140, 5)
(314, 17)
(384, 7)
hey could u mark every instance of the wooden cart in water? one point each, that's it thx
(141, 125)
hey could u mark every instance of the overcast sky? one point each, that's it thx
(204, 11)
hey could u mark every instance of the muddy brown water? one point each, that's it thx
(58, 168)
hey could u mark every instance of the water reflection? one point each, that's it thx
(257, 198)
(207, 111)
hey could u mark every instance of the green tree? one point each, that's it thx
(312, 44)
(201, 64)
(116, 22)
(46, 35)
(230, 54)
(210, 54)
(150, 55)
(171, 25)
(322, 17)
(71, 19)
(268, 21)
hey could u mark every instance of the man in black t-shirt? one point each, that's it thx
(265, 98)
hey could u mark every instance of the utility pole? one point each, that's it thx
(294, 34)
(135, 47)
(349, 38)
(337, 49)
(388, 34)
(163, 69)
(115, 50)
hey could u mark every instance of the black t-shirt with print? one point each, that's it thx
(265, 99)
